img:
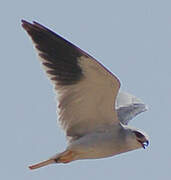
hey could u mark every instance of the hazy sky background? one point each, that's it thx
(130, 37)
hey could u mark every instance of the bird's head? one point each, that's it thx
(136, 138)
(141, 138)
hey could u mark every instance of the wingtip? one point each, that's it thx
(34, 25)
(146, 107)
(26, 25)
(25, 22)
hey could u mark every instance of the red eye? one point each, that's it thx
(138, 134)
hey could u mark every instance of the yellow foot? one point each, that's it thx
(65, 157)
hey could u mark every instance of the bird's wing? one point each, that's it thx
(128, 106)
(86, 90)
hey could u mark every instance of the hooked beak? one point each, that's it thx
(145, 144)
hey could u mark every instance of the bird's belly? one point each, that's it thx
(98, 145)
(96, 153)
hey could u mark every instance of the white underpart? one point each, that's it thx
(89, 104)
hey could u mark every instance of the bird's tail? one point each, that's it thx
(41, 164)
(64, 157)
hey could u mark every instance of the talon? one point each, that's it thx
(65, 157)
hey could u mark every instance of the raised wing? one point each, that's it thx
(128, 106)
(86, 90)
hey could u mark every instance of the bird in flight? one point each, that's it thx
(91, 110)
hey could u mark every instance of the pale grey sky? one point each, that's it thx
(131, 38)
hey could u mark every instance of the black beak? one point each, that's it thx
(145, 144)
